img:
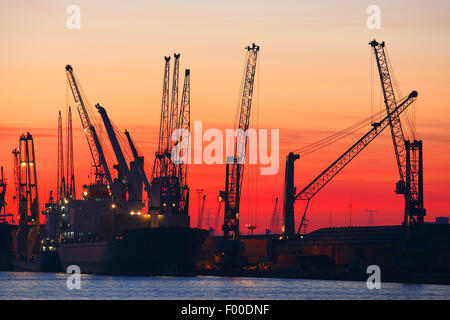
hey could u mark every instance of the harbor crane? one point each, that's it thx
(60, 179)
(201, 212)
(169, 194)
(70, 173)
(408, 154)
(139, 160)
(28, 234)
(308, 192)
(274, 220)
(235, 166)
(3, 186)
(101, 167)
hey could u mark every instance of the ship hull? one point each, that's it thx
(145, 251)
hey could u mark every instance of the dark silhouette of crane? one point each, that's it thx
(101, 166)
(235, 167)
(308, 192)
(408, 154)
(139, 160)
(27, 243)
(60, 180)
(70, 173)
(274, 220)
(2, 197)
(169, 198)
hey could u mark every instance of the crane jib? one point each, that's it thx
(322, 179)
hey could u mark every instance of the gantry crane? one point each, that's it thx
(408, 154)
(101, 167)
(28, 199)
(235, 167)
(307, 193)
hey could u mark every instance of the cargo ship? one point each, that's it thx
(106, 231)
(103, 237)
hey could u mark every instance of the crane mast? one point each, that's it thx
(390, 102)
(100, 164)
(60, 180)
(162, 154)
(184, 123)
(331, 171)
(235, 167)
(70, 175)
(408, 154)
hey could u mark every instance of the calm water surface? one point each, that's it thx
(23, 285)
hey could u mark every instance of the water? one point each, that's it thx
(24, 285)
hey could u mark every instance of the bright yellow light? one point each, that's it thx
(23, 164)
(85, 193)
(132, 212)
(139, 213)
(113, 206)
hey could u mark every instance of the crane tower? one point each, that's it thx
(235, 165)
(408, 154)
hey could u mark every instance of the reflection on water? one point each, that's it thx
(22, 285)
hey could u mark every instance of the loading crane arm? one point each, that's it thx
(124, 171)
(308, 192)
(139, 159)
(407, 154)
(95, 147)
(235, 167)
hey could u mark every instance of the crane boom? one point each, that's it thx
(323, 178)
(91, 134)
(408, 154)
(184, 123)
(139, 159)
(161, 157)
(124, 171)
(395, 124)
(235, 169)
(331, 171)
(273, 220)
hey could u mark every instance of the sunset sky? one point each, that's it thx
(313, 79)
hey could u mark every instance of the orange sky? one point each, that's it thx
(313, 80)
